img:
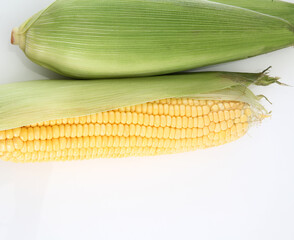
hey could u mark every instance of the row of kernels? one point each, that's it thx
(134, 117)
(125, 117)
(184, 101)
(223, 105)
(76, 151)
(120, 129)
(166, 109)
(56, 131)
(172, 107)
(103, 141)
(79, 154)
(9, 134)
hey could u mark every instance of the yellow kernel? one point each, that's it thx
(206, 121)
(195, 124)
(67, 131)
(223, 125)
(194, 132)
(237, 120)
(183, 133)
(146, 120)
(160, 132)
(194, 111)
(200, 132)
(217, 128)
(111, 117)
(73, 130)
(16, 132)
(244, 118)
(200, 122)
(55, 144)
(179, 122)
(120, 130)
(149, 108)
(188, 133)
(123, 117)
(149, 132)
(143, 131)
(237, 113)
(182, 110)
(139, 108)
(24, 134)
(108, 129)
(9, 145)
(226, 115)
(30, 146)
(102, 129)
(9, 134)
(215, 117)
(206, 110)
(173, 122)
(210, 103)
(210, 116)
(205, 131)
(214, 108)
(172, 133)
(221, 116)
(62, 143)
(126, 131)
(85, 130)
(178, 133)
(221, 106)
(190, 122)
(116, 117)
(188, 111)
(232, 114)
(55, 130)
(18, 143)
(199, 111)
(239, 127)
(70, 121)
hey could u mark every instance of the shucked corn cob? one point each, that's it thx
(160, 127)
(119, 38)
(130, 118)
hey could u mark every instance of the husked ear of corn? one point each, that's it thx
(70, 119)
(121, 38)
(160, 127)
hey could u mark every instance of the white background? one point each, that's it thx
(240, 191)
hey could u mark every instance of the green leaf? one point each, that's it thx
(25, 103)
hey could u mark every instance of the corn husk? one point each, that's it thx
(25, 103)
(119, 38)
(281, 9)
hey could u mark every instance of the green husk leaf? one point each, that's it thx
(25, 103)
(281, 9)
(117, 38)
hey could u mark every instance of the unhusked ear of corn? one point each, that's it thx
(119, 38)
(160, 127)
(70, 119)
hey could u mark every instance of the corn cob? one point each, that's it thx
(160, 127)
(120, 38)
(71, 119)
